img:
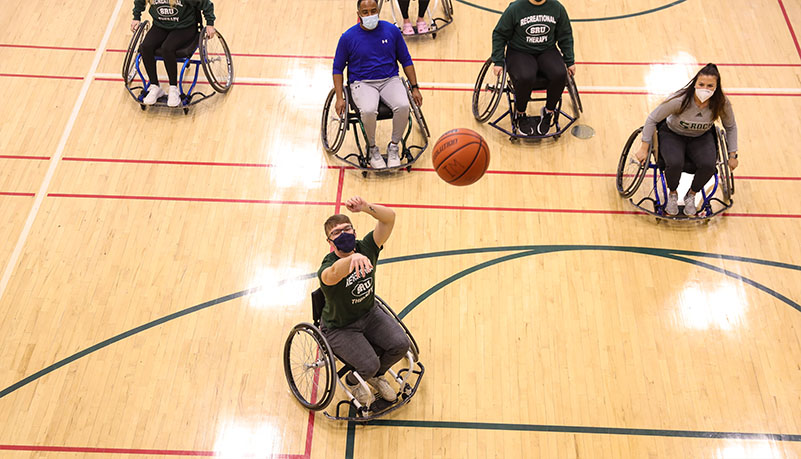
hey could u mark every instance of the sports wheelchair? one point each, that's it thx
(631, 173)
(489, 89)
(435, 23)
(214, 57)
(334, 130)
(311, 370)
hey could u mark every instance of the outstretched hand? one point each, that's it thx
(361, 264)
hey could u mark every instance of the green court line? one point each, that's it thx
(610, 18)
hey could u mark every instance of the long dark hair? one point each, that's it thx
(718, 99)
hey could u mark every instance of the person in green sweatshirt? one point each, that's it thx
(174, 26)
(529, 32)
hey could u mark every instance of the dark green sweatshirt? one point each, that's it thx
(182, 15)
(533, 29)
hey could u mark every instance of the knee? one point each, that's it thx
(399, 347)
(147, 49)
(369, 366)
(559, 76)
(402, 108)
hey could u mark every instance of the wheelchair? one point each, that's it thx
(631, 173)
(435, 23)
(334, 130)
(489, 89)
(311, 371)
(214, 57)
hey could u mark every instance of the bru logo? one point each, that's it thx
(167, 11)
(442, 147)
(538, 29)
(363, 288)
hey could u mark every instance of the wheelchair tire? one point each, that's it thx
(575, 98)
(412, 343)
(416, 112)
(212, 52)
(447, 5)
(724, 171)
(490, 86)
(630, 172)
(332, 131)
(129, 62)
(308, 359)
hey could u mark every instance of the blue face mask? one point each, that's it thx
(370, 22)
(345, 242)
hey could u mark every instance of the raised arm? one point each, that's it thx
(384, 215)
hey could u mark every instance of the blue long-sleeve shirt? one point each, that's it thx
(371, 54)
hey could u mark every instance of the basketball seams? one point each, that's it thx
(470, 166)
(436, 166)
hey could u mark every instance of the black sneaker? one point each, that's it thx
(524, 124)
(545, 122)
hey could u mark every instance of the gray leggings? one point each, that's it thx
(371, 345)
(366, 94)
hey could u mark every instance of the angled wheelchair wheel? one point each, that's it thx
(416, 112)
(630, 172)
(724, 171)
(487, 92)
(129, 62)
(575, 98)
(412, 343)
(217, 64)
(447, 5)
(334, 126)
(309, 366)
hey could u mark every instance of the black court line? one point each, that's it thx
(610, 18)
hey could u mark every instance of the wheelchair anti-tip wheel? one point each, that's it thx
(309, 366)
(216, 59)
(487, 91)
(630, 172)
(129, 62)
(333, 129)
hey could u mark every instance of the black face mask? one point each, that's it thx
(345, 242)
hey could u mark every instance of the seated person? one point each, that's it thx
(422, 25)
(371, 50)
(689, 132)
(529, 31)
(359, 332)
(174, 27)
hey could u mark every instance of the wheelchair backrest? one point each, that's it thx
(318, 303)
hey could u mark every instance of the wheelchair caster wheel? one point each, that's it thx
(556, 137)
(408, 168)
(434, 36)
(186, 111)
(364, 174)
(143, 107)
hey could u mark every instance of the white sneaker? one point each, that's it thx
(173, 97)
(689, 205)
(362, 394)
(153, 94)
(672, 206)
(393, 155)
(383, 387)
(376, 161)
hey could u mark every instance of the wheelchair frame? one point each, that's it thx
(503, 85)
(435, 23)
(723, 180)
(131, 68)
(352, 118)
(325, 358)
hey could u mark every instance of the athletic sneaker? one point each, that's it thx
(383, 387)
(362, 393)
(153, 94)
(672, 206)
(524, 124)
(173, 97)
(422, 27)
(545, 122)
(393, 155)
(376, 161)
(689, 205)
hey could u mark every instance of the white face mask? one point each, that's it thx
(703, 94)
(370, 22)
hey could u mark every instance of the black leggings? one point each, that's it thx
(422, 5)
(523, 68)
(674, 148)
(168, 40)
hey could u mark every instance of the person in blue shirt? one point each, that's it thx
(371, 50)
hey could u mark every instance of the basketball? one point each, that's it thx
(461, 157)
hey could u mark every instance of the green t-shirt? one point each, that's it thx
(353, 296)
(533, 29)
(183, 15)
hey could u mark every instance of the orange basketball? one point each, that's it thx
(461, 157)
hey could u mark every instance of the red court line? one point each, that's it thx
(189, 199)
(158, 452)
(58, 48)
(180, 163)
(340, 184)
(790, 26)
(52, 77)
(42, 158)
(11, 193)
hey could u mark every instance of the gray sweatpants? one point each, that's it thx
(366, 94)
(371, 345)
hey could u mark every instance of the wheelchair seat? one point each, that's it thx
(384, 112)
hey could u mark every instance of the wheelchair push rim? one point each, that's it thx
(630, 172)
(216, 60)
(418, 114)
(309, 367)
(724, 171)
(332, 130)
(484, 107)
(129, 62)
